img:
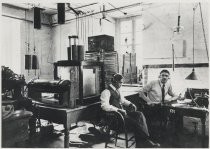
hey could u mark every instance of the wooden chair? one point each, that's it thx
(115, 121)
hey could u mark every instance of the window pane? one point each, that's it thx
(126, 26)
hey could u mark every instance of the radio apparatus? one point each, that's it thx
(56, 92)
(200, 96)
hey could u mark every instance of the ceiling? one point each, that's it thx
(113, 9)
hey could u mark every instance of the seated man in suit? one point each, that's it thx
(112, 100)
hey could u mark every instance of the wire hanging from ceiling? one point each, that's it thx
(26, 40)
(51, 46)
(192, 75)
(204, 31)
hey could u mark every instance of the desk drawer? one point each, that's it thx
(189, 126)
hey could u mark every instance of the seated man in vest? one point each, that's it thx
(112, 100)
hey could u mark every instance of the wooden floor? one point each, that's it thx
(86, 136)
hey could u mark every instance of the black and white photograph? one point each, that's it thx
(104, 74)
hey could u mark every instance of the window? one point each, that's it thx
(126, 36)
(131, 47)
(130, 29)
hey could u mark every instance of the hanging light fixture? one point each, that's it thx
(192, 75)
(178, 30)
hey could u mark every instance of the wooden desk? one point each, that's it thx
(67, 116)
(191, 112)
(183, 111)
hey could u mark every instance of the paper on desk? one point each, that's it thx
(178, 105)
(184, 101)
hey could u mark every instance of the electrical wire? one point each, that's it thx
(60, 41)
(160, 21)
(26, 34)
(125, 13)
(50, 49)
(193, 99)
(193, 35)
(28, 43)
(204, 31)
(34, 40)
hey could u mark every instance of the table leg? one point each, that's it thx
(203, 120)
(66, 136)
(32, 126)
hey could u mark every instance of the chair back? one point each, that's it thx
(114, 120)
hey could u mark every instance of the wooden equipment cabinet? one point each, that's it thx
(81, 66)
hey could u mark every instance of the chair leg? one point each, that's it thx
(106, 143)
(116, 137)
(126, 139)
(107, 137)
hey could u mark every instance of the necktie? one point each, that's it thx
(163, 93)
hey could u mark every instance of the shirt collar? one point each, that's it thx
(161, 84)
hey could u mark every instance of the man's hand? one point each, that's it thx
(123, 112)
(152, 104)
(180, 98)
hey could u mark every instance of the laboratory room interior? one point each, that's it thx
(98, 74)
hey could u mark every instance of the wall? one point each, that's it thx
(51, 42)
(10, 43)
(159, 21)
(177, 78)
(85, 27)
(40, 39)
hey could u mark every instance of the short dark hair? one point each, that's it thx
(166, 71)
(117, 77)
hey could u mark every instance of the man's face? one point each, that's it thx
(164, 77)
(118, 84)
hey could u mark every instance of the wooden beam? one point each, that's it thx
(177, 65)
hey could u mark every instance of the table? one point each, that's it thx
(183, 111)
(67, 116)
(191, 112)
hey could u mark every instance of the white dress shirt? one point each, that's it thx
(105, 97)
(153, 89)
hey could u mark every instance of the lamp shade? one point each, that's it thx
(192, 76)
